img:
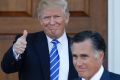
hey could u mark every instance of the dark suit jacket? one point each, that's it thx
(107, 76)
(34, 63)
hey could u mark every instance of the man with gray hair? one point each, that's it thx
(88, 50)
(44, 55)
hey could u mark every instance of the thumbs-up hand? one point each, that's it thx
(20, 45)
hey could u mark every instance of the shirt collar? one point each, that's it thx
(98, 75)
(61, 39)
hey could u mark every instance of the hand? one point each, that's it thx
(20, 45)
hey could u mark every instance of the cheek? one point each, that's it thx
(62, 26)
(75, 65)
(93, 66)
(74, 61)
(43, 23)
(61, 22)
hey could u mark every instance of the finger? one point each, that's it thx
(21, 41)
(19, 50)
(20, 46)
(25, 33)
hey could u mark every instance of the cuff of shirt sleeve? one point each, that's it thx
(17, 56)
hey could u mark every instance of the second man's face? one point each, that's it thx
(53, 21)
(85, 60)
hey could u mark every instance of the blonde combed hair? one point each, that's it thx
(52, 3)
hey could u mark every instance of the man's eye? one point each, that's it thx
(74, 55)
(57, 16)
(46, 17)
(84, 56)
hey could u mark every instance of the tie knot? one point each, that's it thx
(55, 41)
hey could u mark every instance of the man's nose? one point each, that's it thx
(52, 21)
(79, 62)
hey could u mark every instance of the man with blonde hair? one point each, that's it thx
(43, 55)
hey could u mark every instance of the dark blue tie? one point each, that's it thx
(54, 61)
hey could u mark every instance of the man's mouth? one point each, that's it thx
(81, 69)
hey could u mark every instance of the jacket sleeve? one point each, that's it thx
(9, 64)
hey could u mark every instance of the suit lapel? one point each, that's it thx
(78, 79)
(70, 58)
(43, 53)
(72, 71)
(105, 75)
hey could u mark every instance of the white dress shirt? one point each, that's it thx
(17, 56)
(64, 55)
(98, 75)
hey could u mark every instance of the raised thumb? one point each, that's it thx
(25, 33)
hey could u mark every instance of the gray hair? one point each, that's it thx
(52, 3)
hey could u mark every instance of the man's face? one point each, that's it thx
(53, 21)
(85, 60)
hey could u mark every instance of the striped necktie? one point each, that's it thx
(54, 61)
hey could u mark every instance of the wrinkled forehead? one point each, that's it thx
(49, 8)
(52, 8)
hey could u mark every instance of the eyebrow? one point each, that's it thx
(74, 55)
(83, 55)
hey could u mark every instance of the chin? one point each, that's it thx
(53, 36)
(81, 74)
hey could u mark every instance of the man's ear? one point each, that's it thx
(67, 18)
(101, 56)
(40, 21)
